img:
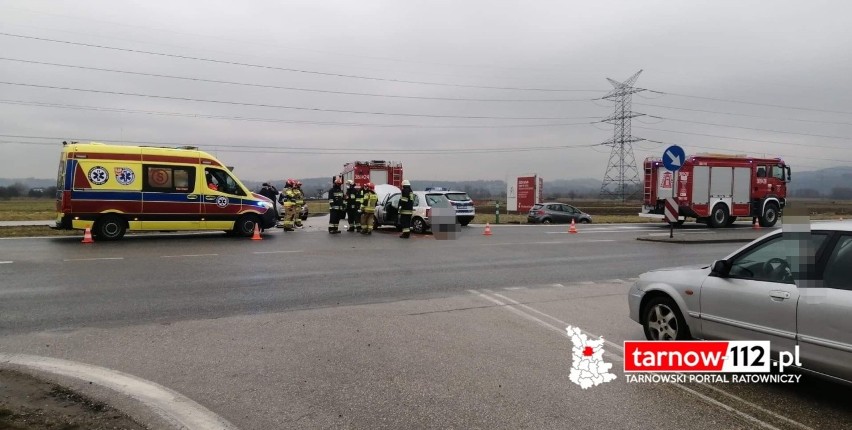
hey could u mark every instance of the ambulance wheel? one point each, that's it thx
(418, 225)
(245, 225)
(110, 227)
(770, 215)
(719, 216)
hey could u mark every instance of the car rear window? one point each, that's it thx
(458, 197)
(437, 201)
(536, 206)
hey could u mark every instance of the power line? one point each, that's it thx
(751, 128)
(277, 120)
(256, 42)
(282, 106)
(746, 139)
(214, 81)
(264, 149)
(750, 103)
(286, 69)
(743, 114)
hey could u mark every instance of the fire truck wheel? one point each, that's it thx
(719, 216)
(110, 227)
(770, 215)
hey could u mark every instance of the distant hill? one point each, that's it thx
(834, 182)
(28, 182)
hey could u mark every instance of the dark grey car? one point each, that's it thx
(556, 213)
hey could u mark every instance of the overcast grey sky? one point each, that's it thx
(787, 53)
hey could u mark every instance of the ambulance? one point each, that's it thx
(113, 188)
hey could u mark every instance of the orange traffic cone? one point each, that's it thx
(87, 237)
(487, 231)
(256, 233)
(755, 225)
(573, 228)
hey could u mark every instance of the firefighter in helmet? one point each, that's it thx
(406, 208)
(288, 201)
(353, 196)
(300, 201)
(336, 206)
(368, 208)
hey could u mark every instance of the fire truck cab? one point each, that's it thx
(716, 189)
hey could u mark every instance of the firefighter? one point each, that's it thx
(300, 201)
(288, 200)
(352, 205)
(336, 206)
(368, 208)
(406, 208)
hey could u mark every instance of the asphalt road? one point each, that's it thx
(307, 330)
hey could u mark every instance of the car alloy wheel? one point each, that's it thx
(662, 322)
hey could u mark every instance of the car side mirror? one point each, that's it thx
(721, 268)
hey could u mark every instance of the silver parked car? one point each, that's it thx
(387, 210)
(751, 295)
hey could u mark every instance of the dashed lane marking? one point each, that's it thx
(176, 409)
(94, 259)
(189, 255)
(6, 262)
(276, 252)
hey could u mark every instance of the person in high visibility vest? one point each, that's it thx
(288, 200)
(368, 208)
(353, 203)
(406, 208)
(300, 201)
(336, 206)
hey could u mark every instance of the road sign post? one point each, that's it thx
(673, 159)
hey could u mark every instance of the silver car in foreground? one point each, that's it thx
(760, 292)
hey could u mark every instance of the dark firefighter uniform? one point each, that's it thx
(406, 208)
(368, 208)
(353, 204)
(336, 207)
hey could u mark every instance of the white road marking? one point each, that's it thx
(94, 259)
(189, 255)
(175, 408)
(515, 288)
(687, 389)
(6, 262)
(573, 242)
(558, 286)
(601, 231)
(276, 252)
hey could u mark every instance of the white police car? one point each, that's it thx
(462, 203)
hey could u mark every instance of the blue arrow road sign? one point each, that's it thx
(673, 158)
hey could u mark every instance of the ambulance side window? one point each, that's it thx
(168, 179)
(223, 182)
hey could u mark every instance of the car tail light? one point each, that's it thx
(540, 213)
(429, 213)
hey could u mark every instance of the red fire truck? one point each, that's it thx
(716, 189)
(376, 171)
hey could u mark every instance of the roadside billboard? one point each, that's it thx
(522, 192)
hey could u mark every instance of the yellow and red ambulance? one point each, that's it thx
(115, 188)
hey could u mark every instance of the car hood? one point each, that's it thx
(680, 268)
(691, 276)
